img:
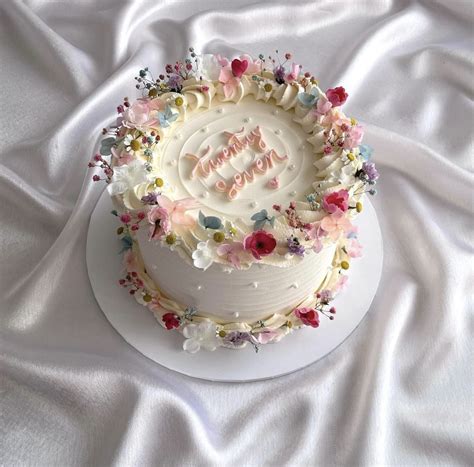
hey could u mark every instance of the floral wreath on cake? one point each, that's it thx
(144, 197)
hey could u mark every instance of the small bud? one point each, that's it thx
(170, 239)
(125, 218)
(219, 237)
(344, 265)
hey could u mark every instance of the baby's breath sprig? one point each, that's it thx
(99, 161)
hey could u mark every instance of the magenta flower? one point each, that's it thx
(337, 96)
(171, 321)
(260, 243)
(336, 201)
(309, 316)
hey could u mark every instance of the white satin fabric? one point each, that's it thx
(398, 391)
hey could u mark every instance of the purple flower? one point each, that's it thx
(238, 339)
(370, 171)
(325, 296)
(294, 246)
(150, 198)
(175, 82)
(279, 73)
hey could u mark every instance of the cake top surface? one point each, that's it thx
(237, 161)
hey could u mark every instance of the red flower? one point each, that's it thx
(171, 321)
(336, 201)
(260, 243)
(337, 96)
(309, 316)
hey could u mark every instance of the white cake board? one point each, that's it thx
(139, 328)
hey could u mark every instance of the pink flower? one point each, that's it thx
(254, 66)
(231, 251)
(260, 243)
(341, 283)
(354, 248)
(177, 210)
(273, 183)
(266, 335)
(354, 138)
(229, 81)
(138, 115)
(335, 224)
(322, 106)
(232, 72)
(309, 316)
(159, 219)
(130, 261)
(315, 233)
(337, 96)
(336, 201)
(123, 157)
(171, 321)
(294, 73)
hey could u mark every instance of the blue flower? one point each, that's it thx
(167, 117)
(261, 218)
(365, 151)
(126, 242)
(309, 99)
(209, 222)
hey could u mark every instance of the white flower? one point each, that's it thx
(200, 335)
(208, 67)
(346, 175)
(202, 256)
(127, 177)
(166, 243)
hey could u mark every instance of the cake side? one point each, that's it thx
(236, 295)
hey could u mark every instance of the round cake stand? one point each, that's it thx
(138, 327)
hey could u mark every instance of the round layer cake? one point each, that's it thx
(236, 183)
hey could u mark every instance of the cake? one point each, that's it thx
(236, 183)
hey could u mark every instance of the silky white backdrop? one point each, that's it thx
(399, 391)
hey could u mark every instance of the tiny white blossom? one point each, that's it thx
(202, 256)
(200, 335)
(127, 177)
(208, 67)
